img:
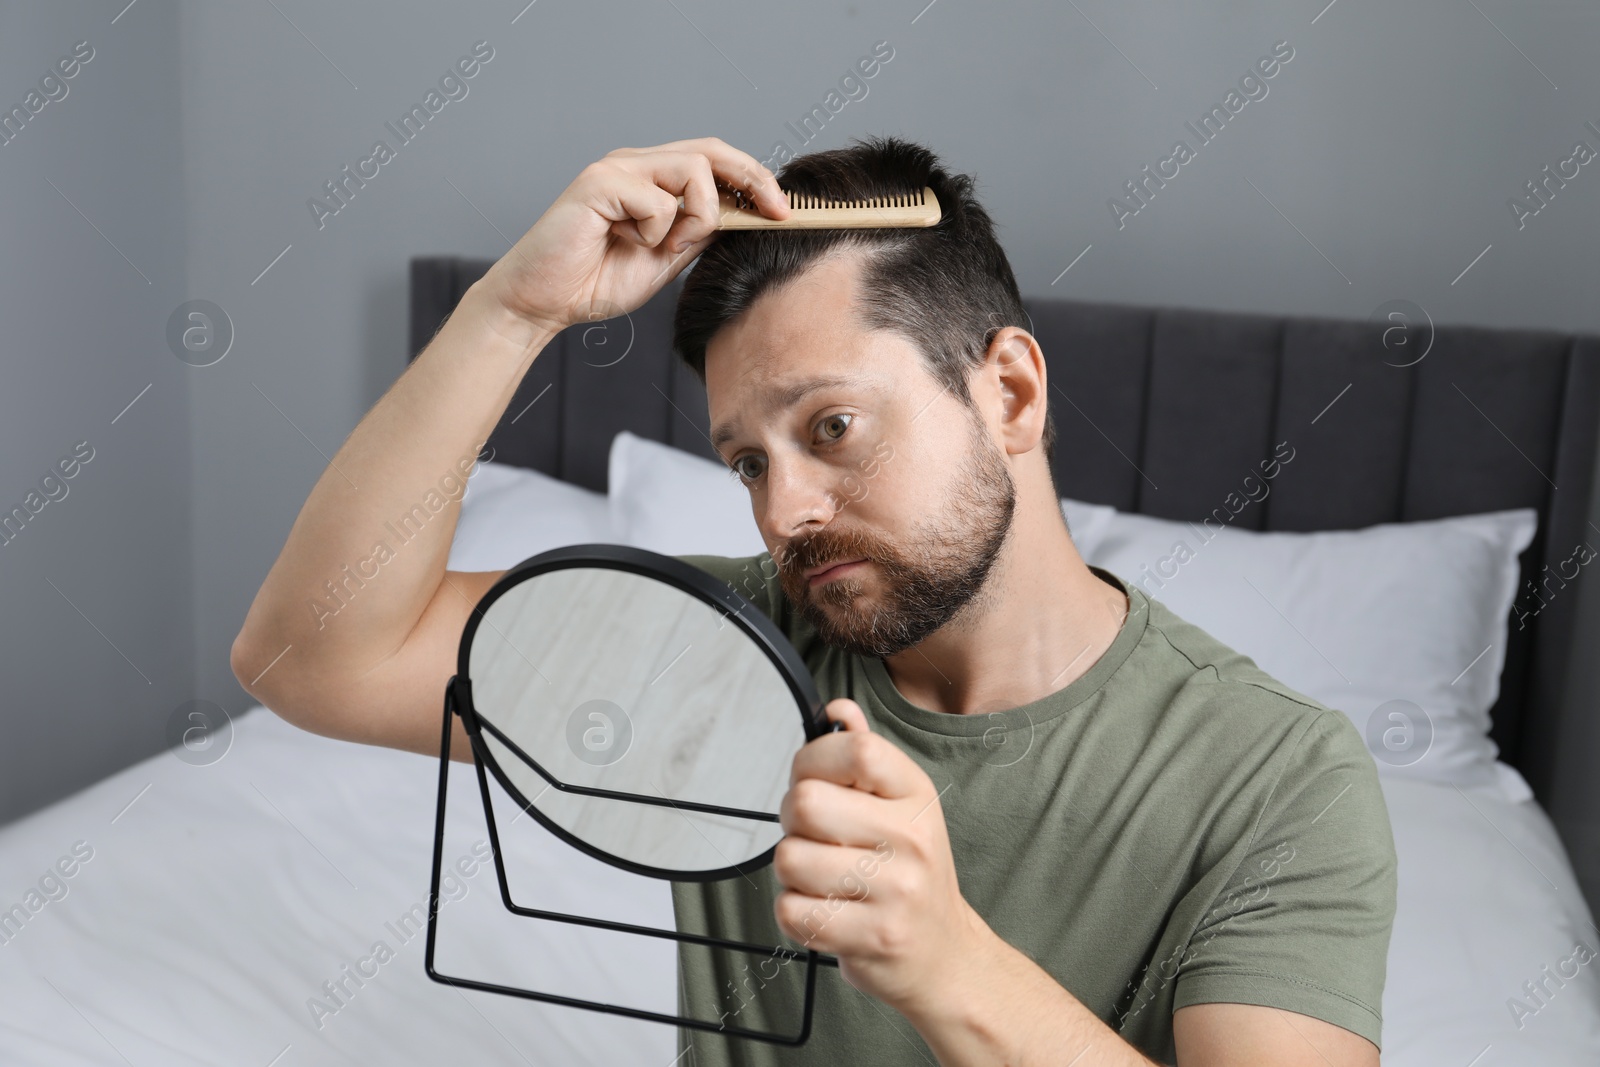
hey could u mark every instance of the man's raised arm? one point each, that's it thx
(354, 630)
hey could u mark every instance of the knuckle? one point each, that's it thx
(890, 879)
(783, 858)
(701, 190)
(807, 793)
(921, 846)
(890, 938)
(783, 909)
(908, 883)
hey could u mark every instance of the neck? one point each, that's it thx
(1041, 621)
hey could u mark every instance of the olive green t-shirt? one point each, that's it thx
(1174, 827)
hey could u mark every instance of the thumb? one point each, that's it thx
(846, 714)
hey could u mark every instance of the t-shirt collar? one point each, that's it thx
(1048, 707)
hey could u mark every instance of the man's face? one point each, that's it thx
(851, 450)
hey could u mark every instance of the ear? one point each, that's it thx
(1015, 364)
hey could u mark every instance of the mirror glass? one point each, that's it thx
(618, 681)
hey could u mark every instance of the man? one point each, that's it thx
(1061, 825)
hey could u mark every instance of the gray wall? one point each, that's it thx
(1377, 167)
(98, 639)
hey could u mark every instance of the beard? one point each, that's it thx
(930, 577)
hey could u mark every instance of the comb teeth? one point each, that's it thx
(912, 209)
(823, 203)
(801, 202)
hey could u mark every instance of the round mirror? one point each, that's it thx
(638, 708)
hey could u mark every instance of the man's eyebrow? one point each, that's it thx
(786, 398)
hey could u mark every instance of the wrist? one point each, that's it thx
(956, 992)
(499, 325)
(996, 1004)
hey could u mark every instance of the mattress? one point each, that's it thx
(264, 910)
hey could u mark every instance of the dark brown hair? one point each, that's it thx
(947, 288)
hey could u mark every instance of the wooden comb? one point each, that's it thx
(823, 213)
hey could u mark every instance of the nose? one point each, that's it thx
(796, 501)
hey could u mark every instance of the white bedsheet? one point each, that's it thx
(216, 905)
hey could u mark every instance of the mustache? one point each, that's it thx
(797, 556)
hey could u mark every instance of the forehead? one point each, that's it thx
(807, 329)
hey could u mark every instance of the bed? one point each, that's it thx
(258, 906)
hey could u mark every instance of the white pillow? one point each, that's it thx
(1402, 626)
(1400, 609)
(509, 513)
(676, 503)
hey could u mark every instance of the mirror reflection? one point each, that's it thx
(617, 681)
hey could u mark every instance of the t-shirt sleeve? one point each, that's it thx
(752, 577)
(1304, 922)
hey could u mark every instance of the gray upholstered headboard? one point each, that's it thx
(1164, 411)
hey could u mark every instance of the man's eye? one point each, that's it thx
(834, 426)
(741, 468)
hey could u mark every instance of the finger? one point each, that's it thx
(826, 924)
(859, 759)
(836, 814)
(701, 207)
(848, 713)
(640, 211)
(731, 167)
(681, 260)
(821, 870)
(638, 208)
(699, 246)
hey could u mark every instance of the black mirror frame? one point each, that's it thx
(734, 608)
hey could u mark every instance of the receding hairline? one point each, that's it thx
(861, 257)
